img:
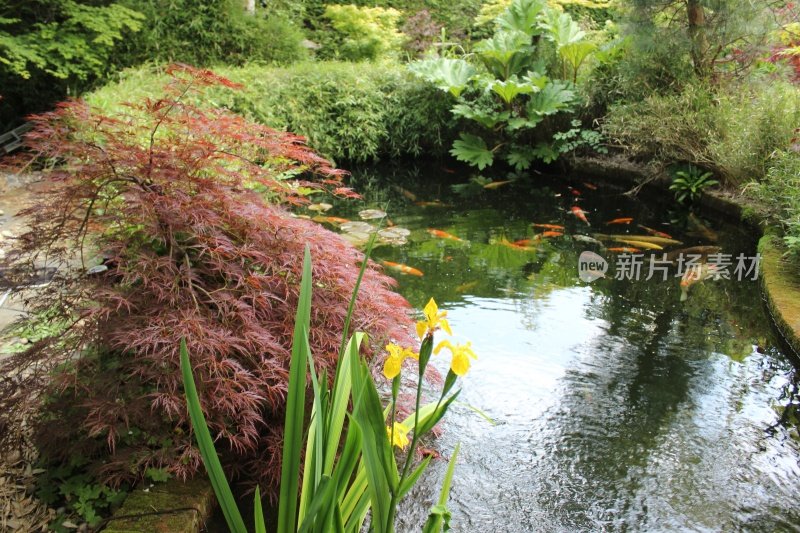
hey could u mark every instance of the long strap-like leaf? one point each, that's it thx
(295, 407)
(206, 445)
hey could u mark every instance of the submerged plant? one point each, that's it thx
(350, 468)
(164, 224)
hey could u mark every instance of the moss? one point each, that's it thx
(195, 497)
(781, 289)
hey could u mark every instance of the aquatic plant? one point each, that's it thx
(689, 184)
(349, 469)
(164, 224)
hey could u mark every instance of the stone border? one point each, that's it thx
(171, 507)
(780, 286)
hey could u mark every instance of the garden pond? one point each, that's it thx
(612, 405)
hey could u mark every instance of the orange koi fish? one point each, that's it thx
(580, 213)
(625, 250)
(549, 226)
(403, 269)
(523, 242)
(657, 233)
(623, 220)
(590, 186)
(550, 234)
(435, 203)
(330, 220)
(439, 234)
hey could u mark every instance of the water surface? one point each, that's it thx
(616, 406)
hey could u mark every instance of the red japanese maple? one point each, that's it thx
(181, 205)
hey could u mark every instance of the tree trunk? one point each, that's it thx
(697, 33)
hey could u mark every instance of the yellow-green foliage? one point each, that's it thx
(493, 8)
(365, 33)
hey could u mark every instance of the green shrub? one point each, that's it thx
(210, 32)
(733, 130)
(364, 33)
(347, 112)
(779, 193)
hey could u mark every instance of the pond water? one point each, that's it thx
(614, 405)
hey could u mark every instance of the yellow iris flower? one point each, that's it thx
(400, 436)
(433, 320)
(394, 361)
(461, 356)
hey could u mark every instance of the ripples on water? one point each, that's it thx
(615, 406)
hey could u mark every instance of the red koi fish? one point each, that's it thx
(623, 220)
(580, 213)
(403, 269)
(656, 233)
(549, 226)
(590, 186)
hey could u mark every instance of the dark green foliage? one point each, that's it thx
(50, 46)
(347, 112)
(204, 33)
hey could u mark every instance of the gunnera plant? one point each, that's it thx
(163, 224)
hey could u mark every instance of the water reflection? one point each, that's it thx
(616, 406)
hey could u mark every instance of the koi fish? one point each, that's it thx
(625, 250)
(575, 192)
(435, 203)
(466, 286)
(523, 242)
(547, 234)
(320, 207)
(439, 234)
(580, 213)
(496, 184)
(590, 186)
(700, 229)
(695, 274)
(403, 269)
(654, 232)
(448, 170)
(406, 193)
(702, 251)
(522, 248)
(549, 226)
(623, 220)
(330, 220)
(587, 239)
(640, 244)
(641, 238)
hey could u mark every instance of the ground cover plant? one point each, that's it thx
(166, 223)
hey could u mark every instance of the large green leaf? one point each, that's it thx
(555, 97)
(473, 150)
(561, 29)
(511, 88)
(487, 118)
(452, 75)
(506, 53)
(522, 15)
(576, 53)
